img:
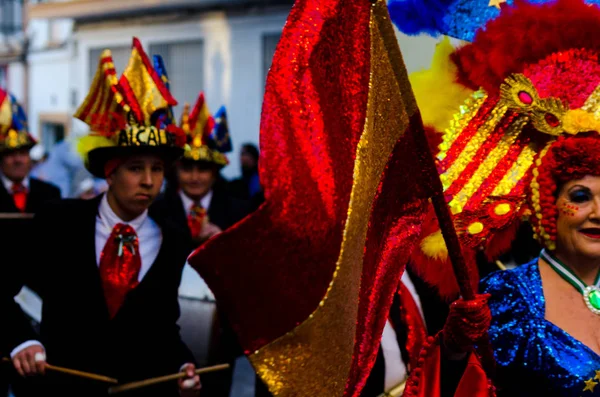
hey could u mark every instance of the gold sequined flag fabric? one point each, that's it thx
(307, 280)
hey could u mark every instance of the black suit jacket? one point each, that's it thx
(15, 237)
(141, 341)
(39, 193)
(15, 234)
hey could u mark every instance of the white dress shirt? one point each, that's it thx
(188, 202)
(395, 368)
(148, 232)
(8, 184)
(149, 241)
(192, 285)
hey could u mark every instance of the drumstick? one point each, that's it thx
(395, 391)
(74, 372)
(15, 215)
(165, 378)
(500, 265)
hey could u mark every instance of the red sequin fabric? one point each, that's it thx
(270, 272)
(345, 199)
(120, 264)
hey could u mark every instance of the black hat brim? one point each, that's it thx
(28, 147)
(97, 158)
(203, 164)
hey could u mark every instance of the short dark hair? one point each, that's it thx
(251, 149)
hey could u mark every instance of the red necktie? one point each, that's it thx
(120, 265)
(196, 219)
(416, 332)
(19, 193)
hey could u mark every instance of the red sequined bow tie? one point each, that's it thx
(196, 219)
(120, 265)
(19, 193)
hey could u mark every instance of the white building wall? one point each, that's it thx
(43, 33)
(49, 73)
(16, 80)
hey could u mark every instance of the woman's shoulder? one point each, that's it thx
(517, 289)
(520, 276)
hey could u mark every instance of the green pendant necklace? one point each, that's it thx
(591, 293)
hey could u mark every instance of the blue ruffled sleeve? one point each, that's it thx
(514, 311)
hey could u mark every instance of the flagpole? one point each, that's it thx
(461, 271)
(444, 216)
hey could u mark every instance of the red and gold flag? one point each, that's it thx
(307, 280)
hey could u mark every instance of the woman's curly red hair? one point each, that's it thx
(568, 158)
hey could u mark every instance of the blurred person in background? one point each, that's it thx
(86, 189)
(196, 195)
(61, 167)
(21, 194)
(197, 199)
(248, 186)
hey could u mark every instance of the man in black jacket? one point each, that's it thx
(20, 196)
(198, 200)
(107, 271)
(197, 196)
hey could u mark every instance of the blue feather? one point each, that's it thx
(165, 117)
(19, 118)
(220, 134)
(413, 17)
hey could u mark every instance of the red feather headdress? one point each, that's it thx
(535, 75)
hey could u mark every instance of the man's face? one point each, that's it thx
(247, 160)
(136, 182)
(195, 180)
(16, 164)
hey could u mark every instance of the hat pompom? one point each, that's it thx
(88, 143)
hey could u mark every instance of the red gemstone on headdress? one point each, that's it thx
(525, 98)
(552, 120)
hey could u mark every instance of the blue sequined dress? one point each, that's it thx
(535, 357)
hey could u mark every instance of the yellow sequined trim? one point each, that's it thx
(488, 165)
(592, 104)
(461, 119)
(16, 140)
(204, 153)
(540, 232)
(517, 171)
(470, 150)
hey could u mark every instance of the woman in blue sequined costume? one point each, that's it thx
(545, 328)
